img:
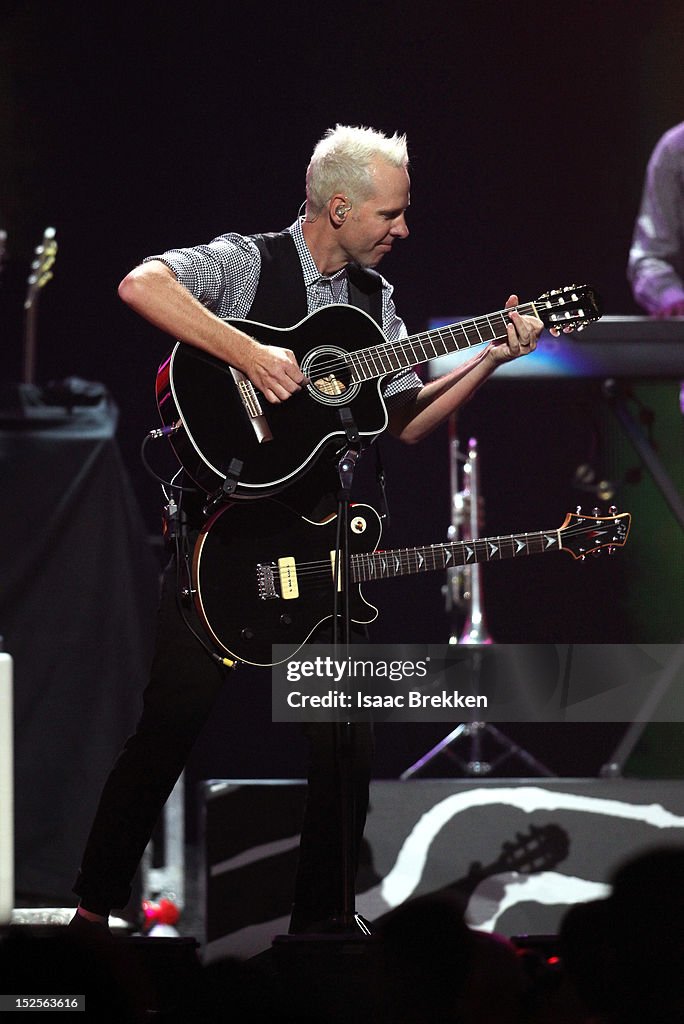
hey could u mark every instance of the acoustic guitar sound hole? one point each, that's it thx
(330, 377)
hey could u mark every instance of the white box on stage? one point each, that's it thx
(6, 791)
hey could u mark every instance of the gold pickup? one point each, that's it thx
(287, 571)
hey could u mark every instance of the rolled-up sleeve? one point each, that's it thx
(223, 275)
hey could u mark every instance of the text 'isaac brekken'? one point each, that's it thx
(412, 699)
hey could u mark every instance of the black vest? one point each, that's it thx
(280, 301)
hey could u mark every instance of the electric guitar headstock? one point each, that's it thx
(569, 308)
(582, 535)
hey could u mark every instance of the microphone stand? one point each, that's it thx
(347, 921)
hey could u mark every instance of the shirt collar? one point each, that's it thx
(309, 268)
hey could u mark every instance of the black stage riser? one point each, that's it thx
(521, 851)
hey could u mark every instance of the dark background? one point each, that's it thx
(134, 127)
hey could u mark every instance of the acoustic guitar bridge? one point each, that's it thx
(250, 401)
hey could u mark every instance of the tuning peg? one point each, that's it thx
(578, 510)
(611, 549)
(613, 510)
(596, 511)
(596, 553)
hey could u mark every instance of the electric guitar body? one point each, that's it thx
(251, 591)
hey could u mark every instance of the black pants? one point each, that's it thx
(183, 685)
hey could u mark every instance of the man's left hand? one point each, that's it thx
(522, 335)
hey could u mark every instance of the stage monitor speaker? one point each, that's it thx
(519, 851)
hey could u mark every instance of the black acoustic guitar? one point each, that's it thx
(264, 575)
(226, 436)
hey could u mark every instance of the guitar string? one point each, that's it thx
(405, 347)
(406, 554)
(407, 557)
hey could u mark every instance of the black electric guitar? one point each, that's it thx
(263, 575)
(228, 437)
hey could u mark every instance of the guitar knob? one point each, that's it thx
(285, 620)
(247, 634)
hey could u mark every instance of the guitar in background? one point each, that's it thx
(41, 273)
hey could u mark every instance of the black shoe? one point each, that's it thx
(89, 931)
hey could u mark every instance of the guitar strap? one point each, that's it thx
(365, 291)
(381, 481)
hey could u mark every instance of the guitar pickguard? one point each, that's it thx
(263, 575)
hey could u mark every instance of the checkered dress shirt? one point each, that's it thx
(224, 276)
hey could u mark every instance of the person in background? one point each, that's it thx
(656, 258)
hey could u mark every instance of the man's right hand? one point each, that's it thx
(273, 371)
(153, 291)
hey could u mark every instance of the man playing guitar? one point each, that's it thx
(357, 197)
